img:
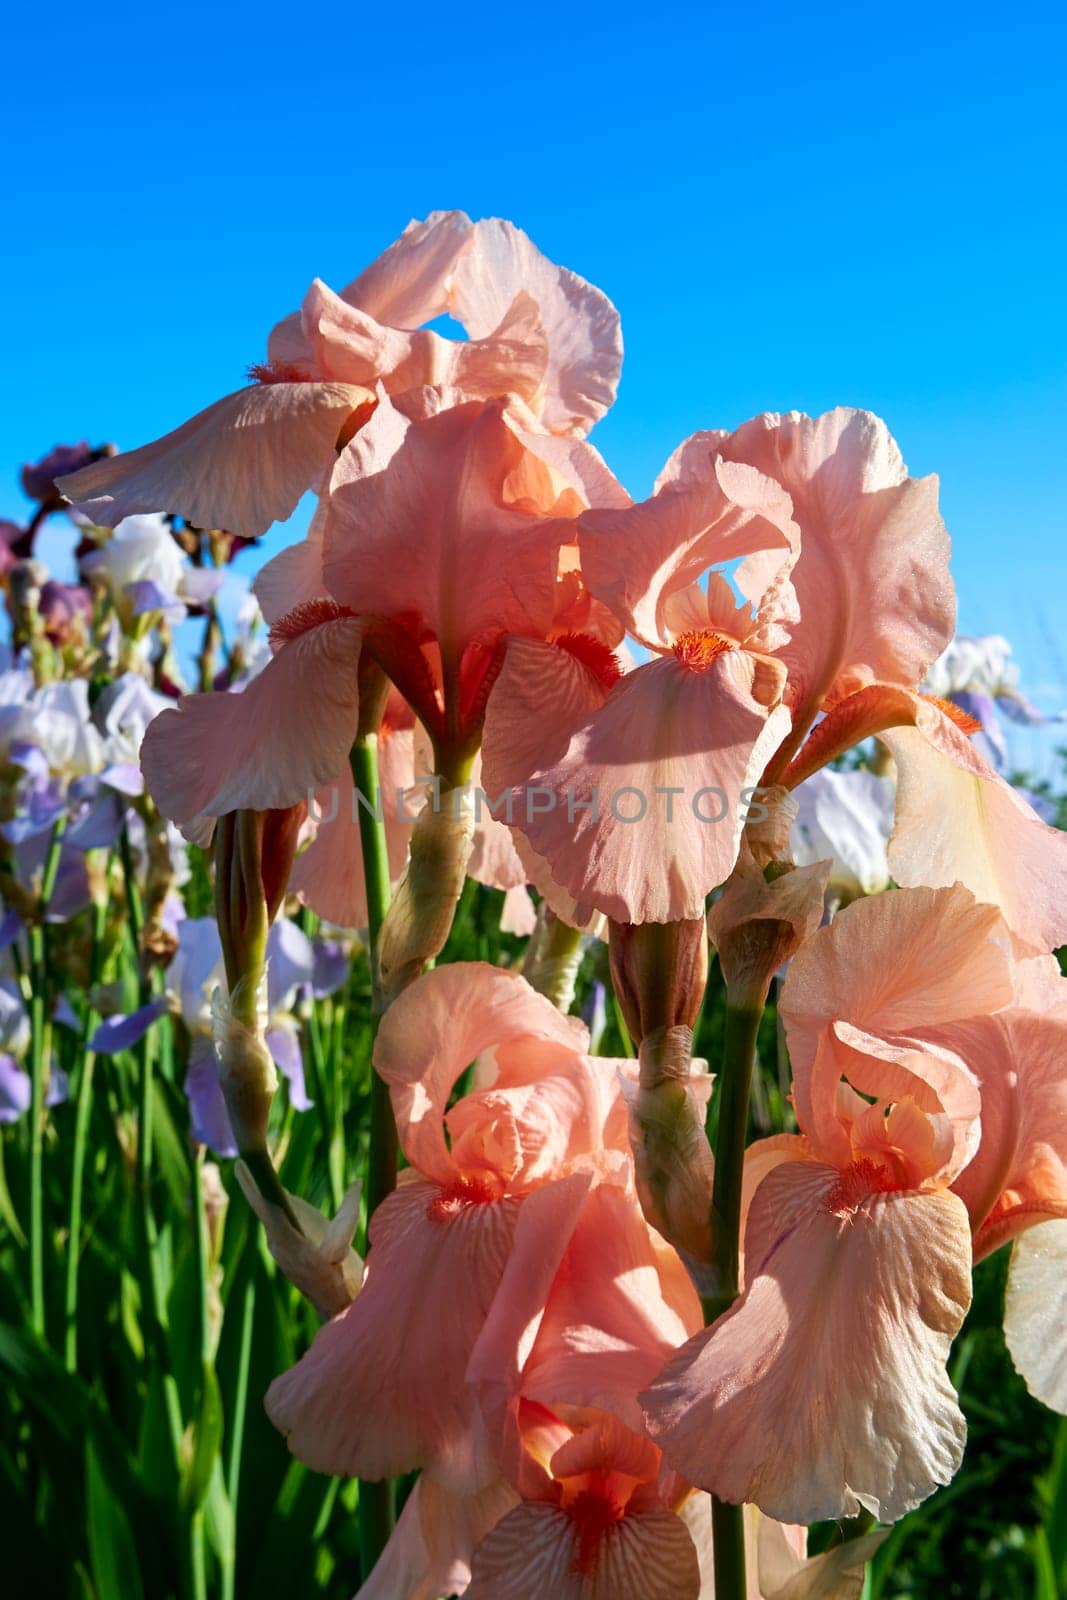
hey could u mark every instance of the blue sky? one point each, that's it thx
(811, 206)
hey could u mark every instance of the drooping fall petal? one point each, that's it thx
(1035, 1312)
(957, 820)
(640, 813)
(539, 1550)
(329, 874)
(429, 1551)
(241, 465)
(399, 1366)
(823, 1391)
(286, 734)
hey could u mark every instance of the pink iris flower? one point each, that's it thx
(495, 1186)
(618, 792)
(930, 1086)
(442, 532)
(848, 601)
(535, 330)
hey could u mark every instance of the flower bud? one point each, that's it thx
(317, 1257)
(659, 970)
(761, 919)
(247, 1076)
(253, 854)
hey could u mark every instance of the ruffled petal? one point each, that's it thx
(641, 814)
(436, 1028)
(895, 964)
(581, 324)
(824, 1389)
(537, 1550)
(637, 559)
(872, 580)
(382, 1391)
(288, 732)
(484, 566)
(409, 283)
(1019, 1173)
(242, 464)
(1035, 1312)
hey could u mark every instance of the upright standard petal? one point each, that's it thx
(636, 558)
(241, 464)
(581, 324)
(287, 733)
(823, 1391)
(484, 566)
(437, 1027)
(872, 580)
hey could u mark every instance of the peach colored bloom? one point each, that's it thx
(536, 330)
(845, 576)
(932, 1102)
(441, 533)
(501, 1193)
(594, 782)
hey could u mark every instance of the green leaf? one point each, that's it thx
(112, 1552)
(7, 1209)
(206, 1446)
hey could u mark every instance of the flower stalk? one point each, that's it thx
(40, 1031)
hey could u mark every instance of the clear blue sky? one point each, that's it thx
(822, 204)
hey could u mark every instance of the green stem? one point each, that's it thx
(236, 1427)
(155, 1300)
(381, 1166)
(743, 1015)
(82, 1113)
(377, 1512)
(201, 1253)
(40, 1028)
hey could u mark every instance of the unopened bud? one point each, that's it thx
(317, 1256)
(659, 970)
(768, 835)
(673, 1164)
(761, 919)
(247, 1074)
